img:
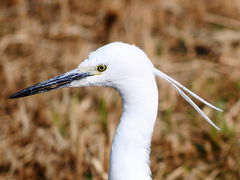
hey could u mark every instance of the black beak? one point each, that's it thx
(61, 81)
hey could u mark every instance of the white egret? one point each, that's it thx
(127, 69)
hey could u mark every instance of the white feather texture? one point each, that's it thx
(127, 69)
(132, 74)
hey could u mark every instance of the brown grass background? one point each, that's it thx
(67, 134)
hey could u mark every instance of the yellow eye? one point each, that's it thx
(102, 68)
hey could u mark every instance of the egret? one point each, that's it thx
(127, 69)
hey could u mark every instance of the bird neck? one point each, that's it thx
(130, 155)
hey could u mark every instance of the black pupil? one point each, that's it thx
(101, 68)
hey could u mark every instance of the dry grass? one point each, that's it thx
(66, 135)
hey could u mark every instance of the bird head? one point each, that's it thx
(116, 65)
(108, 66)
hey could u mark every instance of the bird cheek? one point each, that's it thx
(80, 83)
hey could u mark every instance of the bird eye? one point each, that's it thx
(102, 68)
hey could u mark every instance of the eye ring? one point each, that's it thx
(102, 68)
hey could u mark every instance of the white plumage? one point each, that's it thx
(127, 69)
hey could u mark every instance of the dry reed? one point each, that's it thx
(67, 134)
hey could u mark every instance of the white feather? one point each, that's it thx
(177, 86)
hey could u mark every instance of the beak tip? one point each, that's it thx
(15, 96)
(11, 97)
(19, 94)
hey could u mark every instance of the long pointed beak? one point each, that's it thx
(61, 81)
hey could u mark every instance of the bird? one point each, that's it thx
(128, 70)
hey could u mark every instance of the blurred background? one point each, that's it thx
(67, 134)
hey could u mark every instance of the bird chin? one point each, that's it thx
(83, 83)
(80, 83)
